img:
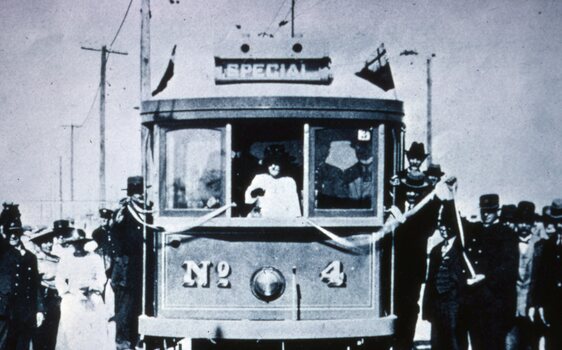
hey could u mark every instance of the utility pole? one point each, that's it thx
(72, 126)
(292, 18)
(104, 56)
(60, 187)
(429, 126)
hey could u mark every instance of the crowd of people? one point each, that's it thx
(60, 289)
(490, 284)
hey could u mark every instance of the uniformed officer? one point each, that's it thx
(546, 285)
(45, 336)
(487, 305)
(126, 277)
(26, 309)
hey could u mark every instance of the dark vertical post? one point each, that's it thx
(102, 126)
(292, 18)
(429, 148)
(60, 187)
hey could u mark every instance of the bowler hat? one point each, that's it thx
(415, 181)
(508, 212)
(490, 201)
(525, 212)
(554, 211)
(417, 150)
(434, 170)
(106, 213)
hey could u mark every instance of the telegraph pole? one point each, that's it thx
(60, 187)
(72, 126)
(429, 126)
(104, 56)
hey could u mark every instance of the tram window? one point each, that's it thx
(256, 146)
(195, 169)
(344, 168)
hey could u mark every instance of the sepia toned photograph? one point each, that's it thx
(281, 175)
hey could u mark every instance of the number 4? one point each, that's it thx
(333, 274)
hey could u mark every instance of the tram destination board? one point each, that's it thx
(286, 70)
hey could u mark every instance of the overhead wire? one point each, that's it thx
(121, 25)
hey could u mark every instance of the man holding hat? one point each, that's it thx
(126, 277)
(523, 334)
(546, 284)
(26, 308)
(489, 299)
(45, 336)
(444, 285)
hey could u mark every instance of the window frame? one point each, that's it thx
(378, 145)
(225, 134)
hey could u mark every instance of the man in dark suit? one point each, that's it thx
(489, 303)
(127, 272)
(26, 308)
(523, 333)
(444, 285)
(546, 284)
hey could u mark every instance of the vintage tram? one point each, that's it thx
(224, 270)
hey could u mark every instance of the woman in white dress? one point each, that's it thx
(80, 281)
(273, 194)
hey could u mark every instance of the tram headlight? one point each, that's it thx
(267, 284)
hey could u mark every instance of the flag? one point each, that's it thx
(377, 71)
(168, 74)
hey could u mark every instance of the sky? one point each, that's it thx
(497, 84)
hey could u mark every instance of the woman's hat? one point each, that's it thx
(417, 150)
(276, 154)
(42, 236)
(415, 181)
(554, 211)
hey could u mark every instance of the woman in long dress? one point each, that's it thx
(80, 281)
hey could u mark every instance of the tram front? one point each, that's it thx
(269, 204)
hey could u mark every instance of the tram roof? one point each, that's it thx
(303, 107)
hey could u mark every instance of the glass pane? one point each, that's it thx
(345, 164)
(195, 169)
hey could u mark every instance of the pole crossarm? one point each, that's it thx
(106, 50)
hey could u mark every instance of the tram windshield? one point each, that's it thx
(266, 169)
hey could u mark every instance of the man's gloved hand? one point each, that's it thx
(257, 192)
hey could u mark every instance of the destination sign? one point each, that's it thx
(302, 71)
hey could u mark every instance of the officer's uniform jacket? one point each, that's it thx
(494, 252)
(26, 299)
(8, 260)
